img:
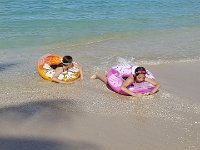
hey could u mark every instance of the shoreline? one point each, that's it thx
(114, 37)
(37, 114)
(88, 115)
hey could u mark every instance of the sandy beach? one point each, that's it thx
(49, 117)
(163, 36)
(181, 79)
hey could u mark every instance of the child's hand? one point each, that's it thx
(148, 93)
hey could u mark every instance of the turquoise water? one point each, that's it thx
(27, 23)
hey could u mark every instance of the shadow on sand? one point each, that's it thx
(31, 119)
(43, 144)
(49, 108)
(5, 66)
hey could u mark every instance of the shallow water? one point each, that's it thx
(32, 23)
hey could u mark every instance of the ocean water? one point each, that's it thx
(33, 23)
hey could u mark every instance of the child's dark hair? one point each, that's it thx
(67, 59)
(140, 70)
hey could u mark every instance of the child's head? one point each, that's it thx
(67, 61)
(140, 74)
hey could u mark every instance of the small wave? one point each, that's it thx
(135, 61)
(107, 62)
(121, 60)
(165, 61)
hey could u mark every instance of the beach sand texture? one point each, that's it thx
(38, 114)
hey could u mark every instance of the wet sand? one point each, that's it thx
(93, 117)
(180, 78)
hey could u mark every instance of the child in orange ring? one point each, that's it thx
(67, 63)
(138, 77)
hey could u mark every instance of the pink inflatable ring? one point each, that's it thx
(116, 76)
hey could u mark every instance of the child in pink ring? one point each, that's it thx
(138, 77)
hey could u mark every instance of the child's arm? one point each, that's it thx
(156, 84)
(58, 71)
(81, 70)
(125, 84)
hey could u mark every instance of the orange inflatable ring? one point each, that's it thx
(46, 71)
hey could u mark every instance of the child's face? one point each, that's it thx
(69, 66)
(140, 78)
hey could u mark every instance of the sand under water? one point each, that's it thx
(38, 114)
